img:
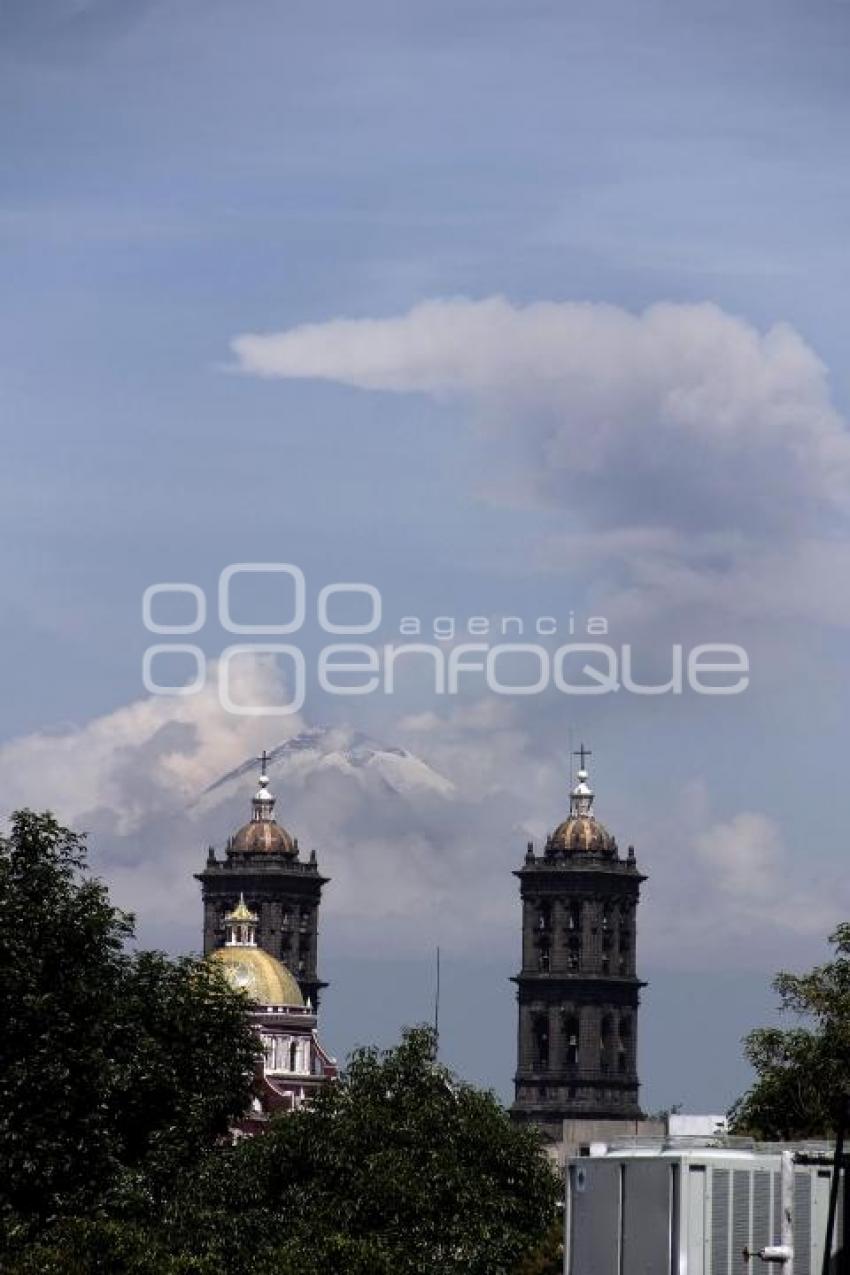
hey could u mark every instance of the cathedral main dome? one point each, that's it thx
(249, 968)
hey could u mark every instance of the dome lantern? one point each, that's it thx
(262, 803)
(582, 833)
(263, 834)
(240, 926)
(581, 797)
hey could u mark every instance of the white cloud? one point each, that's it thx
(699, 462)
(730, 893)
(402, 861)
(743, 854)
(145, 757)
(418, 865)
(619, 402)
(719, 573)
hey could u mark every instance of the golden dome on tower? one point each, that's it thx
(581, 832)
(581, 835)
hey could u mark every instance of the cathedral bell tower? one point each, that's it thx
(262, 864)
(578, 990)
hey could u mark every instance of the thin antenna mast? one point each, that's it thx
(437, 1002)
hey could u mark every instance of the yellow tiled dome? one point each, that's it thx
(265, 979)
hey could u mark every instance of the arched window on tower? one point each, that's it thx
(541, 1042)
(624, 945)
(574, 916)
(544, 917)
(606, 1028)
(574, 953)
(543, 958)
(624, 1048)
(571, 1040)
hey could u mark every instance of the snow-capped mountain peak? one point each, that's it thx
(316, 751)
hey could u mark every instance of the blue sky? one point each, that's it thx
(177, 177)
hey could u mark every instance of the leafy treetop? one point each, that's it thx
(802, 1072)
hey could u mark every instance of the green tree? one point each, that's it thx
(802, 1072)
(116, 1068)
(548, 1257)
(121, 1071)
(398, 1168)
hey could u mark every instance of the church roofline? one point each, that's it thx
(584, 864)
(261, 865)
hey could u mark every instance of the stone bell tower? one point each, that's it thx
(578, 990)
(262, 863)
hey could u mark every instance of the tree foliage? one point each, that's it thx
(397, 1168)
(802, 1072)
(548, 1256)
(120, 1073)
(116, 1068)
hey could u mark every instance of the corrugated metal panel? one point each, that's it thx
(802, 1224)
(776, 1209)
(762, 1225)
(625, 1214)
(695, 1223)
(838, 1233)
(720, 1222)
(741, 1180)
